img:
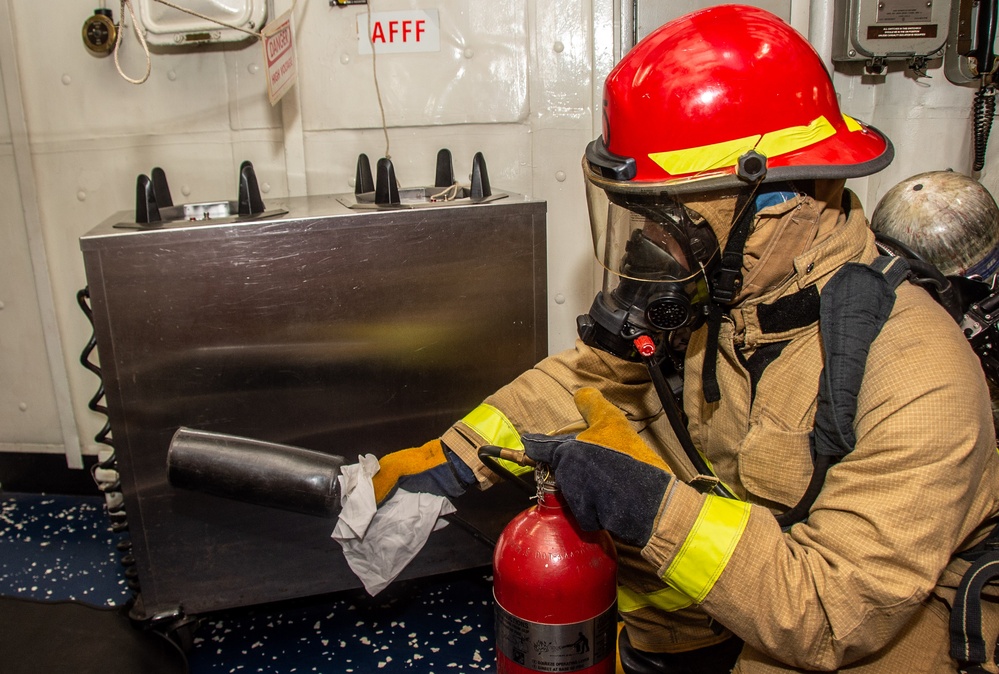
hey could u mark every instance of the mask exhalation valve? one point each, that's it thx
(669, 311)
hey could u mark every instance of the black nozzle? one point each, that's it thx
(250, 202)
(160, 188)
(363, 182)
(386, 188)
(253, 471)
(480, 179)
(147, 210)
(444, 177)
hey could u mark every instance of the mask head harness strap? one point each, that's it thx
(727, 281)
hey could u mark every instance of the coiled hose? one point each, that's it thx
(983, 110)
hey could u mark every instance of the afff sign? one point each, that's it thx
(415, 30)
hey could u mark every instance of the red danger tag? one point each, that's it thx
(279, 55)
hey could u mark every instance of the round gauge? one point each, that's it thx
(99, 33)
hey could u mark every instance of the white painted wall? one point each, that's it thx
(518, 81)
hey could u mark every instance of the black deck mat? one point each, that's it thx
(73, 638)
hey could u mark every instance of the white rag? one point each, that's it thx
(378, 543)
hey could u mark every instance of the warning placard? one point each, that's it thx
(901, 32)
(279, 55)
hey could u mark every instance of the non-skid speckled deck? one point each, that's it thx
(61, 547)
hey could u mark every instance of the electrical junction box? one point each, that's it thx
(878, 31)
(164, 25)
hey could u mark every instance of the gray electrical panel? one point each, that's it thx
(878, 31)
(640, 18)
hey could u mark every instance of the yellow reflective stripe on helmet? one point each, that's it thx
(727, 153)
(793, 138)
(852, 124)
(666, 599)
(704, 158)
(497, 430)
(708, 547)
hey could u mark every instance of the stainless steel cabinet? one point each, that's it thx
(341, 330)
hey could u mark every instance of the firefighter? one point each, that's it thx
(719, 212)
(946, 218)
(950, 221)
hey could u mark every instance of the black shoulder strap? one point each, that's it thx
(967, 645)
(854, 306)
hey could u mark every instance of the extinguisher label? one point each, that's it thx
(546, 647)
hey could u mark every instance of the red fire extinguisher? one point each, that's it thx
(555, 587)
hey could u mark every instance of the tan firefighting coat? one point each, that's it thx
(864, 584)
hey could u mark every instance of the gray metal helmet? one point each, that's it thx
(948, 219)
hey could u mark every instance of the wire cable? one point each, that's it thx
(378, 92)
(142, 41)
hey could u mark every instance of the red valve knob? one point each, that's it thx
(645, 346)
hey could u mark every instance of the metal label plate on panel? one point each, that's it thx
(901, 32)
(905, 11)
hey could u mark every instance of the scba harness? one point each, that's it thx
(967, 645)
(854, 307)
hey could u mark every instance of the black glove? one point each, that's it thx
(610, 478)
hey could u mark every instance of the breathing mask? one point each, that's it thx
(657, 255)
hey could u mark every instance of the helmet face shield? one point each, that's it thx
(655, 252)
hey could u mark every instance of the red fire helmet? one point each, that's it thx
(720, 93)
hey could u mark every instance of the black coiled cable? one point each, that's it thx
(983, 110)
(104, 435)
(112, 490)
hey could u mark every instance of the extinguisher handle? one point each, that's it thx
(490, 455)
(517, 456)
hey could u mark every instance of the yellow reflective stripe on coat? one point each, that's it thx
(666, 599)
(727, 153)
(708, 547)
(497, 430)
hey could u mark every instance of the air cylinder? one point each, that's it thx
(555, 587)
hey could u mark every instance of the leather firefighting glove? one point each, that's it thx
(430, 468)
(609, 477)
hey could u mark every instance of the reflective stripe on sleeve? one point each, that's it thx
(708, 547)
(666, 599)
(497, 430)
